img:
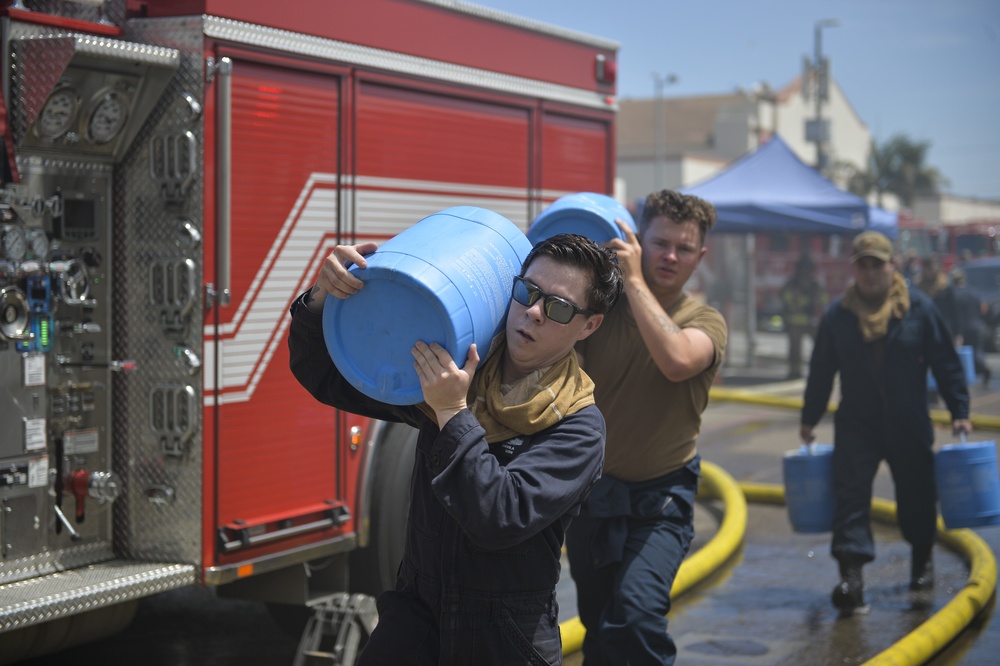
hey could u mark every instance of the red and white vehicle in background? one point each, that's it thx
(174, 173)
(951, 243)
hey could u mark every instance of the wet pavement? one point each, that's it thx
(768, 605)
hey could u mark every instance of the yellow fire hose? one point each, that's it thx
(915, 648)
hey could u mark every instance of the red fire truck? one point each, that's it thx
(174, 172)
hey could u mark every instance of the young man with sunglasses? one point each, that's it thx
(505, 456)
(653, 361)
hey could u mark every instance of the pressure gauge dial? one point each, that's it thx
(57, 114)
(108, 117)
(13, 242)
(37, 242)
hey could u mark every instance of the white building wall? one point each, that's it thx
(952, 210)
(850, 138)
(637, 175)
(737, 130)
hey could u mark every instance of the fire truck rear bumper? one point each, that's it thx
(65, 593)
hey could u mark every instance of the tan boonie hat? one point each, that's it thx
(872, 244)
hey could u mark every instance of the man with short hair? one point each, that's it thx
(653, 361)
(881, 336)
(506, 454)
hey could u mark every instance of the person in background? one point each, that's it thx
(910, 266)
(802, 300)
(505, 456)
(653, 362)
(969, 321)
(932, 280)
(881, 336)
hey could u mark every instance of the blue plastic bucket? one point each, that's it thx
(968, 484)
(447, 279)
(968, 359)
(808, 473)
(967, 356)
(584, 213)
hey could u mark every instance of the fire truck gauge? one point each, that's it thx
(13, 242)
(38, 242)
(13, 313)
(108, 117)
(57, 114)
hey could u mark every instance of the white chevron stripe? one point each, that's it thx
(247, 343)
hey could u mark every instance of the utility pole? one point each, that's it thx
(818, 131)
(659, 128)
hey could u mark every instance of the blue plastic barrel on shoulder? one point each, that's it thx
(808, 475)
(447, 279)
(585, 213)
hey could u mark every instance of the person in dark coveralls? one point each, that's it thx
(881, 336)
(506, 454)
(968, 323)
(653, 361)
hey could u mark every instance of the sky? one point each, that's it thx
(927, 69)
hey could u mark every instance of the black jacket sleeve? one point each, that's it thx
(311, 364)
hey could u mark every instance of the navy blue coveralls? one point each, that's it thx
(883, 415)
(485, 529)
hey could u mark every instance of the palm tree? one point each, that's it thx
(897, 167)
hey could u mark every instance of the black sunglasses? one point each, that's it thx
(556, 308)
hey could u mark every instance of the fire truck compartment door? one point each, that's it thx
(277, 454)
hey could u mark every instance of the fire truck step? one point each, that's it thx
(337, 630)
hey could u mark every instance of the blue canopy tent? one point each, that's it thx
(886, 221)
(771, 190)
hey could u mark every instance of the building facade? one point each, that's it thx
(679, 141)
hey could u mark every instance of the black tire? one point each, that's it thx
(373, 568)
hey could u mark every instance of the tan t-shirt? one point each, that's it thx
(652, 422)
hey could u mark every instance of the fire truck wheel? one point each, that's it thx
(373, 568)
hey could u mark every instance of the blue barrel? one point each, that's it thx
(808, 473)
(968, 484)
(968, 358)
(447, 279)
(584, 213)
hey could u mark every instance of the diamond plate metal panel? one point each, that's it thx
(109, 12)
(88, 70)
(88, 588)
(160, 440)
(39, 63)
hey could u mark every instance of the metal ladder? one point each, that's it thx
(337, 630)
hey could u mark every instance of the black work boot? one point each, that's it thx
(921, 570)
(849, 595)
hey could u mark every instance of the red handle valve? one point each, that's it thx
(79, 483)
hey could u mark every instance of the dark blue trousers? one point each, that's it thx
(857, 453)
(623, 604)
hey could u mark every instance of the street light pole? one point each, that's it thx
(821, 72)
(659, 129)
